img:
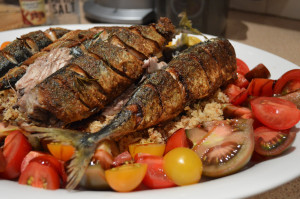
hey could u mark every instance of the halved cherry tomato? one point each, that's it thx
(61, 151)
(127, 177)
(275, 113)
(4, 44)
(242, 67)
(155, 177)
(51, 161)
(231, 111)
(183, 166)
(2, 161)
(122, 158)
(149, 148)
(16, 147)
(240, 98)
(39, 175)
(227, 147)
(261, 87)
(31, 155)
(177, 139)
(104, 158)
(241, 81)
(269, 142)
(236, 94)
(288, 82)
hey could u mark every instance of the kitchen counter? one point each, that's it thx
(280, 36)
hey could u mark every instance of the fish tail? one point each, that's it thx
(84, 143)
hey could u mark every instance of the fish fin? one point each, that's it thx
(56, 134)
(78, 166)
(85, 148)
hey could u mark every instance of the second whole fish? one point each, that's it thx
(193, 75)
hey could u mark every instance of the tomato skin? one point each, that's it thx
(39, 175)
(183, 166)
(242, 67)
(61, 151)
(127, 177)
(2, 161)
(275, 113)
(104, 158)
(16, 147)
(155, 177)
(51, 161)
(122, 158)
(261, 87)
(177, 139)
(31, 155)
(290, 76)
(232, 91)
(269, 142)
(149, 148)
(241, 81)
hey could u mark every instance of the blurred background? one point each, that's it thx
(271, 25)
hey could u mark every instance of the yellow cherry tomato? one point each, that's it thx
(183, 166)
(61, 151)
(149, 148)
(127, 177)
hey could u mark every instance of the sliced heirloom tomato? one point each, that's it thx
(227, 147)
(40, 176)
(122, 158)
(127, 177)
(269, 142)
(261, 87)
(149, 148)
(16, 147)
(155, 177)
(241, 81)
(275, 113)
(177, 139)
(236, 94)
(288, 82)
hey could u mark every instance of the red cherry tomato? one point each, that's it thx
(269, 142)
(16, 147)
(236, 94)
(51, 161)
(40, 175)
(122, 158)
(177, 139)
(242, 67)
(288, 82)
(240, 98)
(261, 87)
(241, 81)
(155, 177)
(2, 161)
(31, 155)
(275, 113)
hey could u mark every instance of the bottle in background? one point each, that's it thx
(64, 11)
(33, 12)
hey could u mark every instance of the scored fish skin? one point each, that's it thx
(105, 61)
(160, 97)
(22, 48)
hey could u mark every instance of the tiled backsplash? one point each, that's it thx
(285, 8)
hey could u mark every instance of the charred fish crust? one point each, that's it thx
(55, 33)
(119, 59)
(135, 41)
(36, 40)
(5, 64)
(98, 70)
(165, 27)
(9, 79)
(148, 34)
(17, 50)
(117, 42)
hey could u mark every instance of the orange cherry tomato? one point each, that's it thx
(127, 177)
(150, 148)
(4, 44)
(61, 151)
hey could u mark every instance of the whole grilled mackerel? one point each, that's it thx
(195, 74)
(27, 45)
(102, 69)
